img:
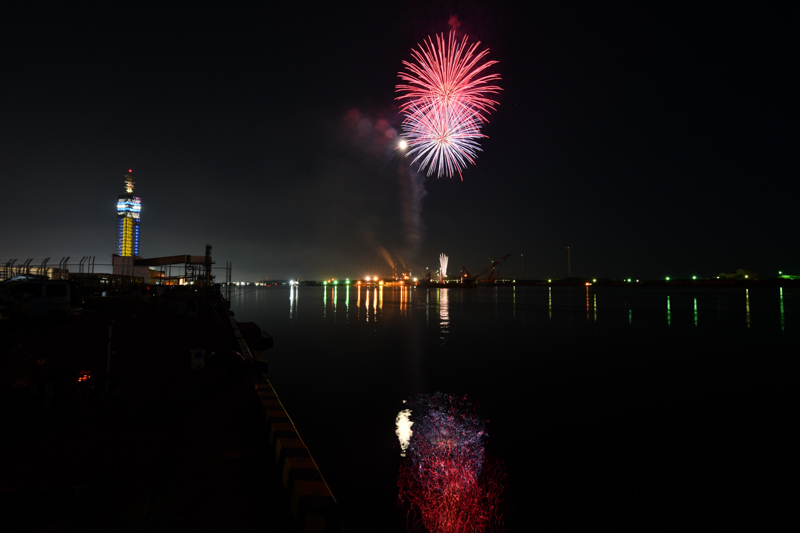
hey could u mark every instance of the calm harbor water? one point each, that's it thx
(608, 405)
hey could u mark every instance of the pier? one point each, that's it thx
(159, 445)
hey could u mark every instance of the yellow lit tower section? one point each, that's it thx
(128, 209)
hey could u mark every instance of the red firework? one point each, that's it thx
(447, 482)
(446, 101)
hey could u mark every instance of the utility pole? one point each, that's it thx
(569, 264)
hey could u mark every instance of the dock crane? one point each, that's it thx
(468, 278)
(494, 266)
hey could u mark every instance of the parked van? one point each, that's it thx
(44, 298)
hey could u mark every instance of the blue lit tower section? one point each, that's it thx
(128, 209)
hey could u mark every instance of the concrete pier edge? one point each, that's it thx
(311, 500)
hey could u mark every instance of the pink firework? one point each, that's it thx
(446, 100)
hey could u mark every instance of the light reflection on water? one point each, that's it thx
(747, 298)
(669, 313)
(587, 304)
(757, 307)
(444, 312)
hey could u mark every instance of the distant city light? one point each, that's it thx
(667, 278)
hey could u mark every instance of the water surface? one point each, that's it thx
(606, 404)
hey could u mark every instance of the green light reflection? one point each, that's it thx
(669, 314)
(783, 322)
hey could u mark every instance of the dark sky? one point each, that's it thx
(657, 140)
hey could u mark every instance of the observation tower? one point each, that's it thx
(128, 209)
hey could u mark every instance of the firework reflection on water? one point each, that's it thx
(446, 482)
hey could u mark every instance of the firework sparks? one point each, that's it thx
(447, 98)
(447, 481)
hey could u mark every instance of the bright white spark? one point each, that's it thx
(403, 431)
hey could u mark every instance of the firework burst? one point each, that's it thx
(446, 100)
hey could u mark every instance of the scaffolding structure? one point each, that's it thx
(196, 270)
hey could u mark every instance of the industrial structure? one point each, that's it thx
(468, 279)
(129, 208)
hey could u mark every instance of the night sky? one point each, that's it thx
(654, 141)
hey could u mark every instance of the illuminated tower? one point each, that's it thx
(128, 209)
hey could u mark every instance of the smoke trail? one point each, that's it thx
(386, 255)
(377, 139)
(412, 191)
